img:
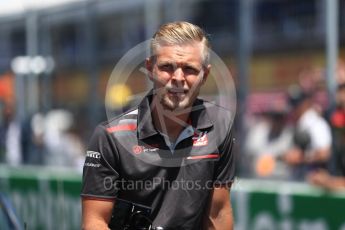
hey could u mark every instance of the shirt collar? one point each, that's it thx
(199, 117)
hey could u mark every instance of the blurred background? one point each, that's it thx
(287, 59)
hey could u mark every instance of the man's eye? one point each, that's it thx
(166, 67)
(190, 70)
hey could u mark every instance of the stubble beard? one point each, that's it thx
(173, 104)
(176, 103)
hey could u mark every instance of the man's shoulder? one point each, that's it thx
(128, 117)
(216, 112)
(313, 118)
(213, 105)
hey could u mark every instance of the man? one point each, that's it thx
(267, 141)
(179, 142)
(334, 179)
(312, 139)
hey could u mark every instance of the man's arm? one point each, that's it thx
(295, 156)
(321, 155)
(219, 215)
(96, 213)
(323, 179)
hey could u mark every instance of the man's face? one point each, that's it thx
(341, 98)
(178, 73)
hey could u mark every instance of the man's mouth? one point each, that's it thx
(177, 91)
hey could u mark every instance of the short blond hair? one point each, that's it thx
(177, 33)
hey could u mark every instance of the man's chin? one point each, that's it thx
(174, 106)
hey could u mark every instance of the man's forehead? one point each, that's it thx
(189, 52)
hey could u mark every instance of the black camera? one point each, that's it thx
(128, 215)
(302, 139)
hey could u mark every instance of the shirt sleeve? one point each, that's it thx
(321, 135)
(225, 167)
(99, 172)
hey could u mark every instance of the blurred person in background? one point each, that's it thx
(334, 179)
(340, 76)
(267, 140)
(10, 130)
(32, 140)
(311, 80)
(2, 133)
(64, 147)
(312, 135)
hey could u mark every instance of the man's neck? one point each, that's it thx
(169, 122)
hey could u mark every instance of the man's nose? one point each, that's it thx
(178, 75)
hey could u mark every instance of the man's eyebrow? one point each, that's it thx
(189, 65)
(192, 66)
(165, 62)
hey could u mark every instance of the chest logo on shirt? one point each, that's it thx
(138, 149)
(200, 139)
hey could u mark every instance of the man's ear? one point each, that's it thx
(149, 67)
(207, 70)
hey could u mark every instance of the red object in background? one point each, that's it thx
(7, 88)
(338, 119)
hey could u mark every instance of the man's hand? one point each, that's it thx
(294, 157)
(318, 156)
(96, 213)
(219, 215)
(323, 179)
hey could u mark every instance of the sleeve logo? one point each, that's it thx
(93, 154)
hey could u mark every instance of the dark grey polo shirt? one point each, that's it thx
(129, 159)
